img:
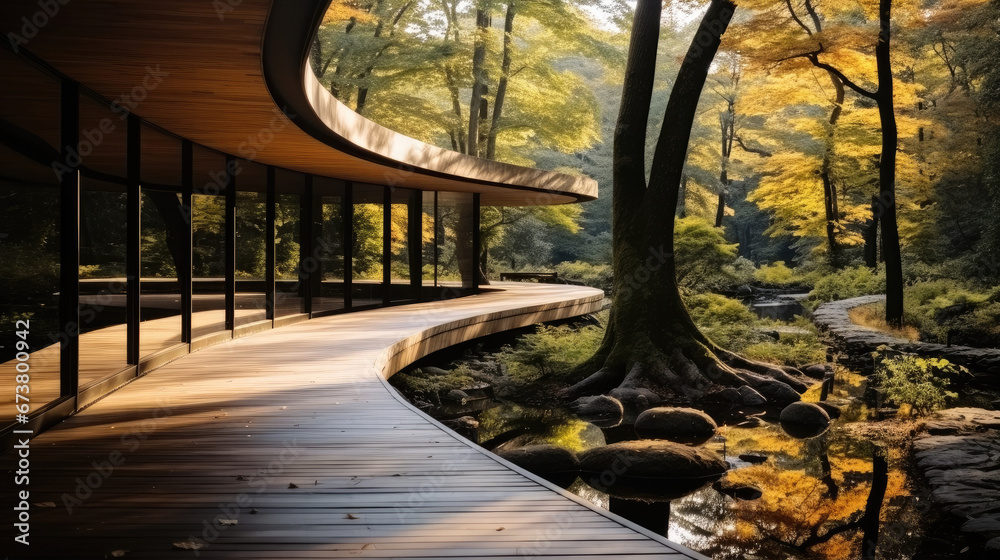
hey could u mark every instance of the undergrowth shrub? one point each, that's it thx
(847, 283)
(776, 273)
(919, 384)
(593, 275)
(551, 351)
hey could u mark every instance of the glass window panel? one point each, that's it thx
(103, 242)
(290, 187)
(330, 245)
(29, 222)
(367, 249)
(29, 284)
(456, 264)
(251, 248)
(208, 242)
(400, 251)
(429, 249)
(103, 286)
(163, 225)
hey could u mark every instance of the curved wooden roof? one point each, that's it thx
(220, 77)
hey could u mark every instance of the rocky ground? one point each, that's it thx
(856, 343)
(958, 451)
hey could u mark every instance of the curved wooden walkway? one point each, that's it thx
(289, 444)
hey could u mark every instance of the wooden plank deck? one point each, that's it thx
(293, 435)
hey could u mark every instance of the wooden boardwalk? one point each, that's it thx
(289, 444)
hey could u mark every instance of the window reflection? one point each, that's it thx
(162, 242)
(251, 243)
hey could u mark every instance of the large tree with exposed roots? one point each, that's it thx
(651, 341)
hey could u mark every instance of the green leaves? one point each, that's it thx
(919, 383)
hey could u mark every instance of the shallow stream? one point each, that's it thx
(785, 498)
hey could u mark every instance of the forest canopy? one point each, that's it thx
(784, 154)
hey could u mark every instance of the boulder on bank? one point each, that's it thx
(750, 397)
(804, 420)
(776, 393)
(456, 395)
(650, 469)
(817, 371)
(681, 425)
(727, 395)
(462, 423)
(601, 410)
(551, 462)
(634, 401)
(432, 371)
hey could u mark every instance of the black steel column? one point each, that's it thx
(348, 244)
(230, 242)
(185, 272)
(69, 238)
(307, 261)
(415, 241)
(477, 272)
(133, 245)
(269, 213)
(437, 240)
(386, 245)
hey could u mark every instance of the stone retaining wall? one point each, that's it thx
(856, 342)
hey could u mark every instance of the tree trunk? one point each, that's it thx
(682, 197)
(651, 340)
(829, 188)
(887, 172)
(727, 126)
(871, 236)
(873, 508)
(456, 107)
(887, 161)
(508, 41)
(168, 206)
(720, 208)
(479, 78)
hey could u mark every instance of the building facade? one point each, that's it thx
(173, 176)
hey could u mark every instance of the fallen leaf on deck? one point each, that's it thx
(350, 516)
(292, 485)
(188, 545)
(226, 522)
(45, 504)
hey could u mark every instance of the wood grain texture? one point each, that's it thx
(224, 432)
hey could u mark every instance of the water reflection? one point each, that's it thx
(782, 497)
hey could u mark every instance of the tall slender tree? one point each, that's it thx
(885, 204)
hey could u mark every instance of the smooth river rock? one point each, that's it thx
(777, 393)
(551, 462)
(804, 420)
(601, 410)
(650, 469)
(682, 425)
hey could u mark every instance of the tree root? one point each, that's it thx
(692, 374)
